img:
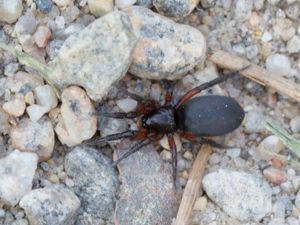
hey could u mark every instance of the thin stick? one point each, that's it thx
(193, 186)
(256, 73)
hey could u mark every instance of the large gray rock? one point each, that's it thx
(10, 10)
(55, 205)
(165, 50)
(16, 175)
(241, 195)
(147, 194)
(96, 57)
(95, 183)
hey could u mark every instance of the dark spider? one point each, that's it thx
(193, 118)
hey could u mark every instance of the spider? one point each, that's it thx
(194, 119)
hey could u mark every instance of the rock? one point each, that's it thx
(200, 204)
(45, 96)
(293, 45)
(254, 121)
(270, 145)
(16, 174)
(127, 104)
(274, 175)
(26, 24)
(165, 144)
(4, 124)
(70, 14)
(15, 107)
(35, 112)
(165, 53)
(11, 68)
(243, 196)
(175, 8)
(10, 11)
(295, 124)
(42, 36)
(278, 64)
(147, 189)
(100, 7)
(144, 3)
(35, 137)
(273, 2)
(122, 4)
(62, 3)
(101, 62)
(55, 205)
(23, 82)
(243, 10)
(233, 152)
(44, 6)
(95, 183)
(78, 121)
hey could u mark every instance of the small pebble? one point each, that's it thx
(44, 6)
(100, 7)
(15, 107)
(233, 152)
(165, 144)
(42, 36)
(293, 45)
(10, 10)
(270, 145)
(200, 204)
(29, 98)
(2, 213)
(295, 124)
(127, 104)
(11, 68)
(62, 3)
(188, 155)
(254, 121)
(278, 64)
(166, 155)
(274, 175)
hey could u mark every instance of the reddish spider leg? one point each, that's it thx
(174, 156)
(206, 85)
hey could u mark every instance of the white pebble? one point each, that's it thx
(200, 204)
(15, 107)
(293, 45)
(295, 124)
(270, 145)
(127, 104)
(45, 96)
(278, 64)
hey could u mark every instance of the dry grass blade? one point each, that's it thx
(192, 187)
(256, 73)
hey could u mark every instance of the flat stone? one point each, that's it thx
(78, 121)
(241, 195)
(35, 137)
(55, 205)
(165, 53)
(100, 7)
(175, 8)
(96, 65)
(95, 183)
(16, 174)
(147, 189)
(10, 11)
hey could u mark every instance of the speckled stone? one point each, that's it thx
(35, 137)
(78, 121)
(175, 8)
(16, 174)
(242, 196)
(147, 189)
(44, 6)
(98, 64)
(55, 205)
(165, 50)
(95, 183)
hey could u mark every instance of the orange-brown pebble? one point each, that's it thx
(274, 175)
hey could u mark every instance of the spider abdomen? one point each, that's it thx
(210, 115)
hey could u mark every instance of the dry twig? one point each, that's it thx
(193, 186)
(256, 73)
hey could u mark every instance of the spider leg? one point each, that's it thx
(174, 157)
(168, 85)
(134, 149)
(206, 85)
(112, 137)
